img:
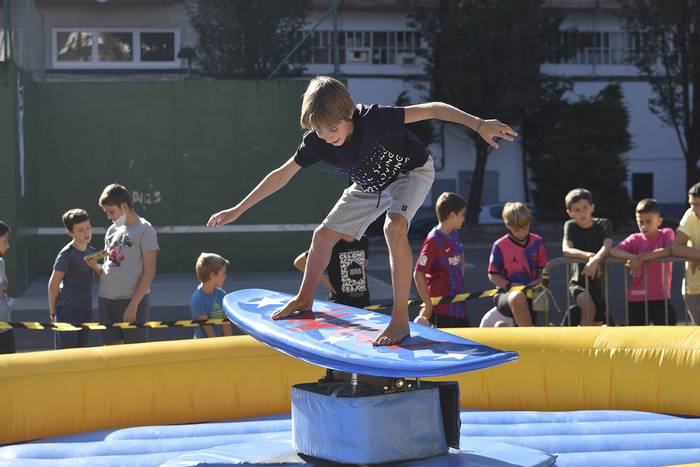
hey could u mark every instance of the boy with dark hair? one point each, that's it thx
(347, 272)
(687, 245)
(7, 338)
(208, 299)
(586, 238)
(439, 268)
(131, 246)
(517, 259)
(70, 285)
(391, 170)
(652, 282)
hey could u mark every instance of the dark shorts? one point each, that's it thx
(72, 339)
(656, 312)
(504, 308)
(7, 342)
(112, 311)
(445, 321)
(598, 301)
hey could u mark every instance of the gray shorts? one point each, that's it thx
(112, 311)
(356, 210)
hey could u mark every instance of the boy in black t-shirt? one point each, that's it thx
(347, 272)
(392, 172)
(587, 238)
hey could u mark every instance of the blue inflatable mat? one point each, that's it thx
(605, 438)
(340, 337)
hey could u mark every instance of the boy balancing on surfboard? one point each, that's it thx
(391, 170)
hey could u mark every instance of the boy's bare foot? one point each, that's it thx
(393, 334)
(295, 304)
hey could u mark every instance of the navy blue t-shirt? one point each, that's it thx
(76, 287)
(379, 149)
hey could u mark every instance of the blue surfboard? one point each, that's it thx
(340, 337)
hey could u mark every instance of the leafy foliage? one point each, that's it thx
(667, 34)
(579, 144)
(484, 57)
(247, 38)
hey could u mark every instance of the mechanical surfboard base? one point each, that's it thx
(340, 337)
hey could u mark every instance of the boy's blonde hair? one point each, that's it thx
(516, 214)
(576, 195)
(208, 264)
(448, 203)
(326, 102)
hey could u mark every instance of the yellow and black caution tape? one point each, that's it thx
(446, 299)
(58, 326)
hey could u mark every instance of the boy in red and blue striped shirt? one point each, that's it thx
(439, 271)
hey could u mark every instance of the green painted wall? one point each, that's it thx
(16, 208)
(185, 149)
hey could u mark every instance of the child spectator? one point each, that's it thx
(687, 245)
(208, 298)
(517, 259)
(391, 170)
(439, 268)
(7, 339)
(70, 285)
(586, 238)
(652, 282)
(131, 246)
(347, 271)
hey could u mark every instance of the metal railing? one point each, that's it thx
(567, 262)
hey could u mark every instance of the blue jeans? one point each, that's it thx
(71, 339)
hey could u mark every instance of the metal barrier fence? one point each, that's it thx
(567, 262)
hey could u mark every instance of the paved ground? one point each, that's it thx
(171, 292)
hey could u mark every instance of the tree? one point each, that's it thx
(668, 55)
(484, 57)
(247, 38)
(579, 144)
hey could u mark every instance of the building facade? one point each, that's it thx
(59, 40)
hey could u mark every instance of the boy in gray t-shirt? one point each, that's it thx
(7, 339)
(131, 245)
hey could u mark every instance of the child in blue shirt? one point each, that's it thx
(207, 300)
(70, 285)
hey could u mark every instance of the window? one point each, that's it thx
(642, 186)
(597, 48)
(90, 48)
(365, 47)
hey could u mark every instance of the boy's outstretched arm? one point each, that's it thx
(489, 130)
(274, 181)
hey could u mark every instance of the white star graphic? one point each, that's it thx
(336, 338)
(456, 356)
(368, 316)
(263, 302)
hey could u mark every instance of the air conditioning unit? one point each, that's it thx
(356, 55)
(407, 59)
